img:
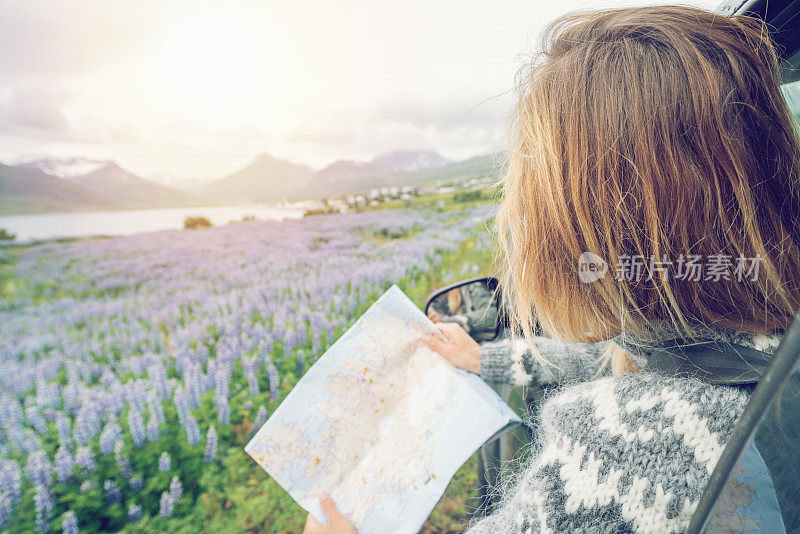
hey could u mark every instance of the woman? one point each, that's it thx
(647, 141)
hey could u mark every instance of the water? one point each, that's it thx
(125, 222)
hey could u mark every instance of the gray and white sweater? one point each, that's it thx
(627, 453)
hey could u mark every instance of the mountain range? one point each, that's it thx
(26, 190)
(47, 185)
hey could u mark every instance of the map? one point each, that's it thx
(380, 422)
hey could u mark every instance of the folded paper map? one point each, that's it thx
(380, 422)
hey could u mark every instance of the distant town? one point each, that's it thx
(378, 196)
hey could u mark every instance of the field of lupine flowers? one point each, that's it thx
(133, 370)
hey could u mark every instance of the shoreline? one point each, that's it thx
(38, 228)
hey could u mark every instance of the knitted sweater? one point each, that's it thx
(628, 453)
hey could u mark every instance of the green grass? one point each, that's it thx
(9, 283)
(454, 200)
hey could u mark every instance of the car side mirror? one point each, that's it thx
(474, 304)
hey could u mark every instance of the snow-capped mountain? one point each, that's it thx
(65, 167)
(108, 180)
(29, 190)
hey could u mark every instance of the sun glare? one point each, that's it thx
(213, 66)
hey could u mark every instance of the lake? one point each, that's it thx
(124, 222)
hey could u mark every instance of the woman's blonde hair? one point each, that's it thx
(651, 132)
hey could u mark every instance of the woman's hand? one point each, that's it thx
(462, 351)
(337, 522)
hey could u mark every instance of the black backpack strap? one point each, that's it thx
(712, 362)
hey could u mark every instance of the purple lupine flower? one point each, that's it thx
(136, 426)
(288, 343)
(135, 394)
(158, 377)
(179, 398)
(211, 444)
(69, 523)
(15, 434)
(274, 381)
(137, 484)
(269, 344)
(223, 410)
(261, 418)
(43, 502)
(5, 509)
(175, 489)
(84, 458)
(87, 486)
(34, 416)
(87, 424)
(109, 437)
(64, 430)
(38, 468)
(166, 505)
(30, 441)
(112, 492)
(279, 325)
(301, 361)
(192, 430)
(134, 513)
(222, 380)
(250, 367)
(123, 462)
(316, 342)
(153, 432)
(164, 462)
(63, 464)
(209, 376)
(156, 410)
(11, 480)
(193, 382)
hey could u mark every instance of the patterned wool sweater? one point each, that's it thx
(628, 453)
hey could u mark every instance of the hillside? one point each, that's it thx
(352, 176)
(265, 179)
(344, 177)
(26, 190)
(489, 164)
(125, 188)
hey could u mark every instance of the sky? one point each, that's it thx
(197, 89)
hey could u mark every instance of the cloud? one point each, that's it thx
(458, 111)
(65, 38)
(457, 130)
(41, 109)
(33, 108)
(411, 119)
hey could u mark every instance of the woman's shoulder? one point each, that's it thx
(645, 391)
(633, 450)
(637, 406)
